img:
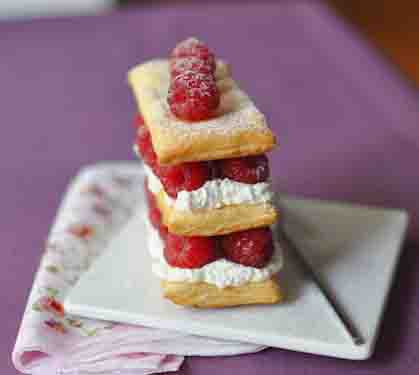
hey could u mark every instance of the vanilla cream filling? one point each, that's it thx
(213, 194)
(222, 272)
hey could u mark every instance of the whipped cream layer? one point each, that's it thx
(222, 272)
(214, 194)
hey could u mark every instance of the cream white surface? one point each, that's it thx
(214, 194)
(354, 249)
(221, 273)
(153, 182)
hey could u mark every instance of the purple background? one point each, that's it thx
(347, 123)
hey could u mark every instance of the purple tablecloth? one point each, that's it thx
(347, 123)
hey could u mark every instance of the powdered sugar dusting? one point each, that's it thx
(190, 42)
(193, 96)
(180, 65)
(236, 111)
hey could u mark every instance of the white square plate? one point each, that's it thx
(353, 249)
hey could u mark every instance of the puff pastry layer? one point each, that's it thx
(205, 295)
(224, 220)
(237, 129)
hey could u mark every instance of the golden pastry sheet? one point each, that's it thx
(237, 129)
(227, 219)
(206, 295)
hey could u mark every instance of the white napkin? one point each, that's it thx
(98, 203)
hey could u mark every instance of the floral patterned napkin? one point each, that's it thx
(98, 203)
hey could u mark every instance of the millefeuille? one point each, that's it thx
(210, 201)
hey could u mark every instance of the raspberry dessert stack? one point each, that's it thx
(203, 142)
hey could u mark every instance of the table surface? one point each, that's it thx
(392, 26)
(346, 121)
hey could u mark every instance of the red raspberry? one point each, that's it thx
(187, 176)
(189, 252)
(214, 169)
(194, 47)
(171, 177)
(154, 216)
(194, 64)
(154, 213)
(249, 170)
(148, 194)
(145, 146)
(163, 231)
(253, 247)
(138, 121)
(193, 96)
